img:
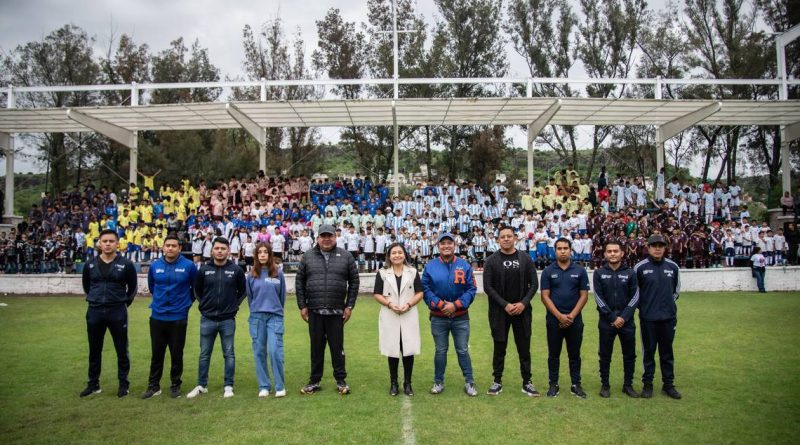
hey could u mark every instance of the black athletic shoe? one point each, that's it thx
(408, 389)
(122, 391)
(89, 390)
(495, 389)
(342, 387)
(394, 389)
(175, 392)
(151, 392)
(605, 392)
(672, 393)
(311, 388)
(529, 390)
(578, 391)
(630, 392)
(553, 391)
(647, 391)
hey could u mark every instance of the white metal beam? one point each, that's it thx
(396, 153)
(792, 132)
(7, 145)
(534, 128)
(789, 133)
(257, 132)
(677, 125)
(122, 135)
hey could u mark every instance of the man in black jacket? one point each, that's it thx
(219, 288)
(109, 281)
(510, 280)
(616, 293)
(327, 286)
(659, 288)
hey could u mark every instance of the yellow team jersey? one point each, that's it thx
(149, 182)
(133, 215)
(548, 201)
(551, 190)
(123, 244)
(536, 190)
(94, 230)
(185, 183)
(537, 204)
(160, 223)
(133, 192)
(90, 241)
(527, 202)
(159, 241)
(583, 191)
(193, 205)
(137, 236)
(169, 207)
(123, 221)
(147, 213)
(180, 213)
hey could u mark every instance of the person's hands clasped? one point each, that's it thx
(449, 309)
(618, 323)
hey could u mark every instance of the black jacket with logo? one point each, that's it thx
(493, 285)
(616, 293)
(117, 287)
(219, 290)
(331, 284)
(659, 288)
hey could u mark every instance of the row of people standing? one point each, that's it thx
(327, 287)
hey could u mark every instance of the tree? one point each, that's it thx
(63, 57)
(487, 154)
(541, 32)
(469, 42)
(607, 39)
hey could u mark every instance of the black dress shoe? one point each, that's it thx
(672, 392)
(408, 389)
(630, 392)
(394, 389)
(605, 392)
(647, 391)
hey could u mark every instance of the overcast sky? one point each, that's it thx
(218, 26)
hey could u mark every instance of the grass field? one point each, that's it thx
(737, 362)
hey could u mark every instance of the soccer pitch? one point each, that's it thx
(737, 361)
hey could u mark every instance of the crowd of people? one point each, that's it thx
(707, 225)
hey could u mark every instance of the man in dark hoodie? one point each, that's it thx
(219, 288)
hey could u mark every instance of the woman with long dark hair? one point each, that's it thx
(398, 288)
(266, 294)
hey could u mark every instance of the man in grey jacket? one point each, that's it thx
(327, 286)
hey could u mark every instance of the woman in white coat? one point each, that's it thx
(398, 288)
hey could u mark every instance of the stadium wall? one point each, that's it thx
(692, 280)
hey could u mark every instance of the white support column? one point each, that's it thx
(133, 163)
(396, 153)
(7, 145)
(534, 128)
(659, 152)
(789, 133)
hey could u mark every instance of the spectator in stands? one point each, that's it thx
(787, 202)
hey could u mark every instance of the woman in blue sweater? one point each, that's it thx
(266, 294)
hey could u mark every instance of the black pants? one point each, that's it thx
(163, 335)
(627, 339)
(555, 339)
(522, 339)
(115, 320)
(658, 334)
(326, 329)
(408, 366)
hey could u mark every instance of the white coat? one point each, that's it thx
(392, 326)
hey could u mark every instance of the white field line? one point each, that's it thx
(408, 423)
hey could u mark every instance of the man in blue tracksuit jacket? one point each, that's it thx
(448, 290)
(616, 292)
(170, 280)
(659, 288)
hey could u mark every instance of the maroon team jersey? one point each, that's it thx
(697, 243)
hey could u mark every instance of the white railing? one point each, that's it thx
(263, 84)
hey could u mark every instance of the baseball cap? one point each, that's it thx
(445, 236)
(326, 229)
(656, 239)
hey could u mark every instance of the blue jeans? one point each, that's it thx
(266, 330)
(208, 335)
(759, 276)
(441, 328)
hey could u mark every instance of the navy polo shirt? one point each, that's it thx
(565, 286)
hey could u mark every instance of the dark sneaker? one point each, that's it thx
(408, 389)
(530, 390)
(122, 391)
(605, 392)
(311, 388)
(151, 392)
(437, 388)
(630, 392)
(470, 390)
(342, 387)
(394, 389)
(553, 391)
(175, 392)
(495, 389)
(672, 393)
(647, 391)
(578, 391)
(90, 390)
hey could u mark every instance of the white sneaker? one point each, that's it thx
(196, 392)
(263, 393)
(281, 393)
(228, 392)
